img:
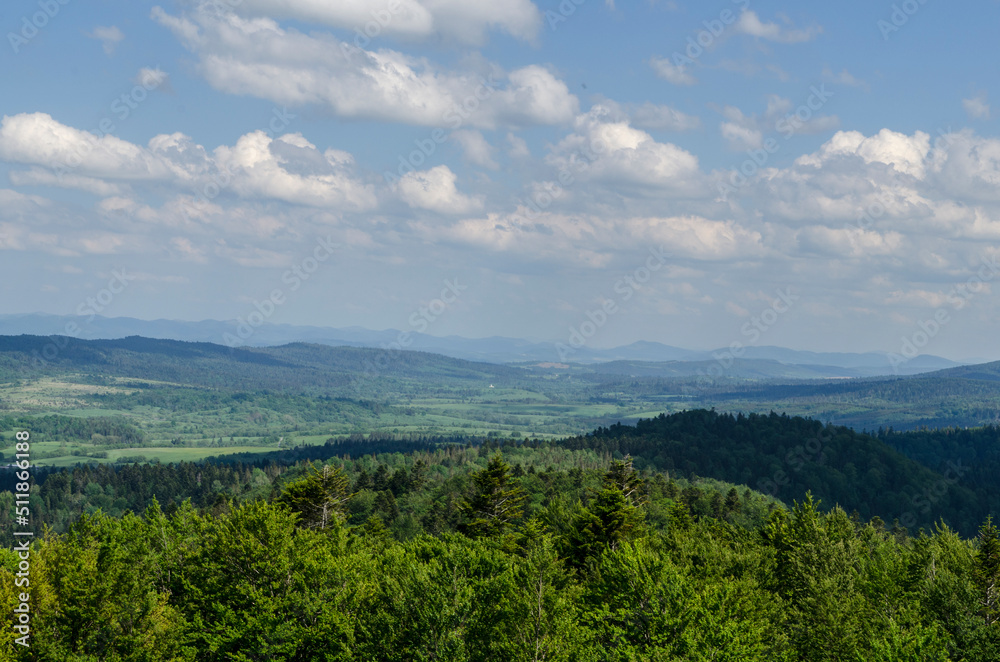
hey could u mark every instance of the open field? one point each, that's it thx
(168, 400)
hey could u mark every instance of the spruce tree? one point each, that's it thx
(613, 516)
(320, 498)
(987, 572)
(496, 502)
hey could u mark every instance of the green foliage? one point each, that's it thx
(786, 456)
(988, 573)
(249, 583)
(613, 515)
(319, 498)
(497, 501)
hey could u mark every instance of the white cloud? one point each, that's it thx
(917, 297)
(153, 79)
(906, 154)
(749, 23)
(465, 21)
(736, 309)
(257, 57)
(741, 137)
(592, 240)
(967, 166)
(109, 37)
(288, 168)
(654, 116)
(37, 139)
(609, 150)
(843, 78)
(41, 177)
(977, 107)
(517, 147)
(744, 131)
(293, 170)
(670, 72)
(435, 190)
(475, 148)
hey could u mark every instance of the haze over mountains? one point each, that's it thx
(639, 358)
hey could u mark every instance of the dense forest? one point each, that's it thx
(104, 430)
(786, 456)
(414, 485)
(911, 480)
(625, 572)
(696, 535)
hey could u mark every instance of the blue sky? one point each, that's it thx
(229, 139)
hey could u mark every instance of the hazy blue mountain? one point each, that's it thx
(756, 362)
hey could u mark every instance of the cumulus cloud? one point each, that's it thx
(843, 78)
(257, 57)
(293, 170)
(42, 177)
(739, 130)
(977, 107)
(288, 168)
(593, 240)
(744, 131)
(749, 23)
(475, 148)
(671, 72)
(905, 154)
(966, 166)
(38, 139)
(109, 37)
(434, 190)
(655, 116)
(151, 78)
(517, 147)
(465, 21)
(606, 149)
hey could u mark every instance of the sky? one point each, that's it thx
(818, 176)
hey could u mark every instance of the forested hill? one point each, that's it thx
(988, 372)
(298, 366)
(962, 396)
(787, 456)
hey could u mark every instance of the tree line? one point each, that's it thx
(601, 579)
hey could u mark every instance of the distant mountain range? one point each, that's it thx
(656, 359)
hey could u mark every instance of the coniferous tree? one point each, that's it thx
(987, 572)
(496, 502)
(320, 497)
(732, 504)
(613, 516)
